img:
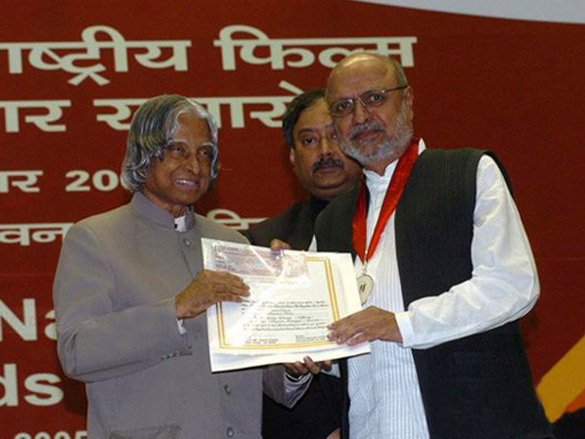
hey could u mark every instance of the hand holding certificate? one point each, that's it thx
(293, 297)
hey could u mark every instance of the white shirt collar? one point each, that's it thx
(181, 223)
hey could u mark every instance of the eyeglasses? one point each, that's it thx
(369, 99)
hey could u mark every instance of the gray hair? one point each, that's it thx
(400, 74)
(151, 131)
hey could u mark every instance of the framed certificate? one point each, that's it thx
(293, 297)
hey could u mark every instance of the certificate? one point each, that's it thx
(293, 297)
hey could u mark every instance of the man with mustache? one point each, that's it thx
(444, 270)
(320, 166)
(324, 171)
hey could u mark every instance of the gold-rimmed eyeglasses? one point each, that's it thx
(369, 99)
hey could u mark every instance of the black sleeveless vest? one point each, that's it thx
(477, 387)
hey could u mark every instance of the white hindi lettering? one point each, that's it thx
(59, 56)
(119, 119)
(24, 234)
(45, 122)
(269, 117)
(276, 49)
(24, 180)
(299, 57)
(45, 233)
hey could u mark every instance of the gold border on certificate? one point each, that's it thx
(332, 293)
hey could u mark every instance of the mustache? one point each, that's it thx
(367, 126)
(329, 162)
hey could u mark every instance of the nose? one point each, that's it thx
(192, 164)
(326, 146)
(360, 112)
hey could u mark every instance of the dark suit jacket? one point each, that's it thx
(479, 386)
(294, 225)
(318, 413)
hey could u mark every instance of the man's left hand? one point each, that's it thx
(367, 325)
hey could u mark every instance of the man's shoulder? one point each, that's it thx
(463, 162)
(104, 229)
(340, 204)
(280, 226)
(455, 153)
(283, 218)
(114, 218)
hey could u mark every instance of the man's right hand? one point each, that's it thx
(307, 366)
(208, 288)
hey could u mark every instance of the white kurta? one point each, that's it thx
(383, 386)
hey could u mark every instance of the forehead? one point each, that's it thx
(358, 76)
(191, 127)
(314, 117)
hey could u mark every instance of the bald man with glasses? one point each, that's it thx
(444, 270)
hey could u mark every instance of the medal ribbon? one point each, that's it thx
(393, 193)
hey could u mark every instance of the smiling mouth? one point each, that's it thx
(187, 184)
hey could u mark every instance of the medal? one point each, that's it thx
(365, 285)
(365, 282)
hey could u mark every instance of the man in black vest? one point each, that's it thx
(444, 270)
(324, 171)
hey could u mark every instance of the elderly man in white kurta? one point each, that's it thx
(444, 269)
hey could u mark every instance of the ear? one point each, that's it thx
(408, 99)
(408, 96)
(291, 156)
